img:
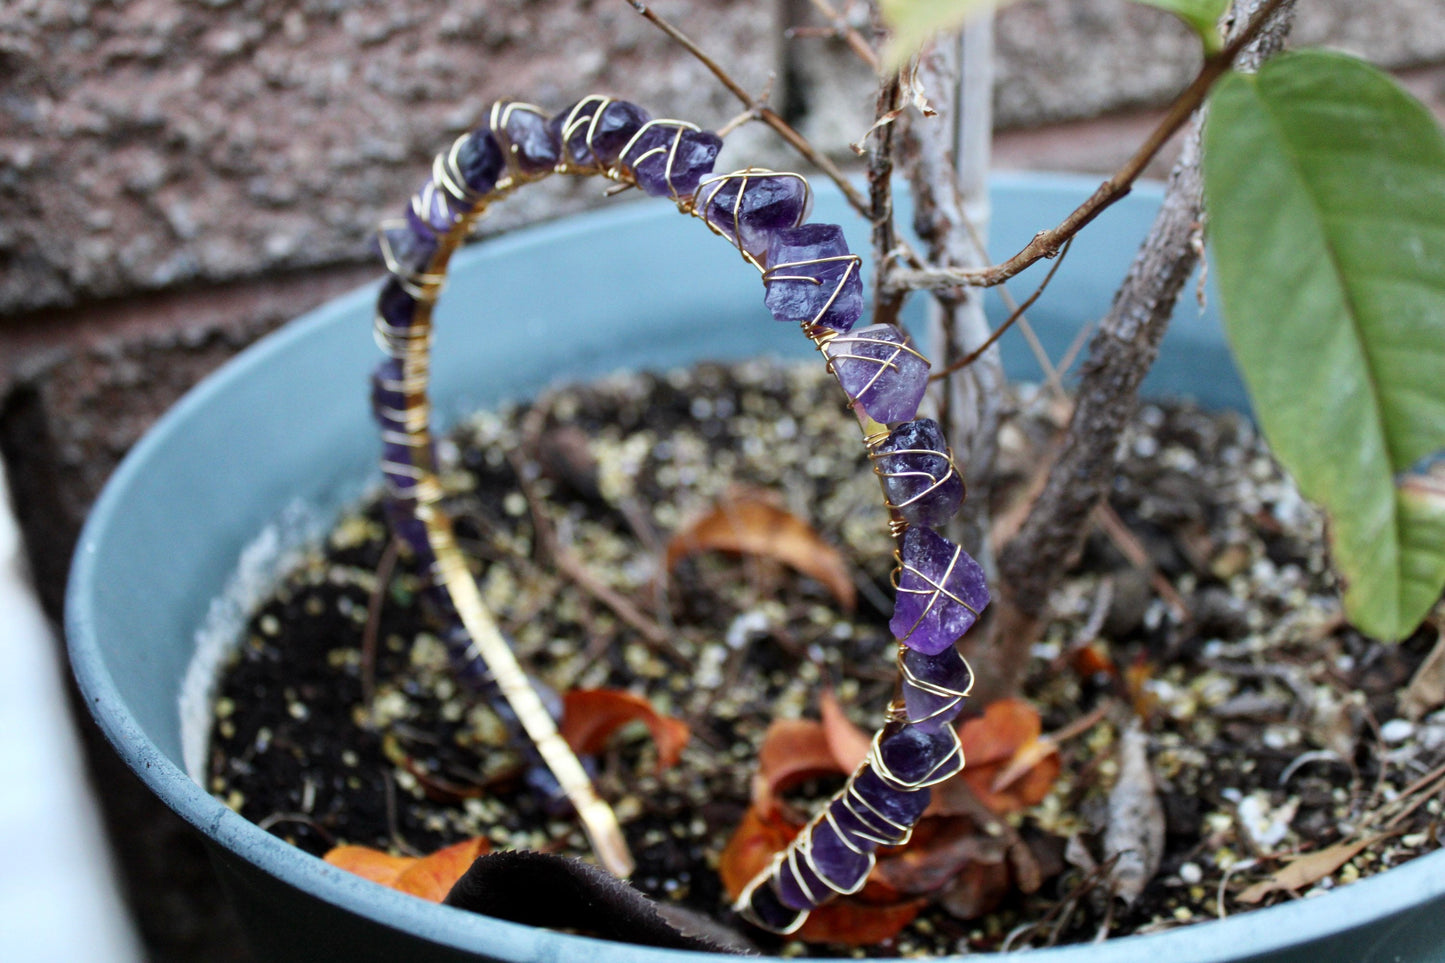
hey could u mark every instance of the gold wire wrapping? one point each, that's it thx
(936, 590)
(411, 346)
(877, 457)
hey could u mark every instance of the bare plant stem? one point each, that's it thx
(1047, 244)
(887, 301)
(1119, 356)
(950, 216)
(760, 110)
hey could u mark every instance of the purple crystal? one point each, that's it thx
(941, 592)
(901, 807)
(880, 371)
(750, 208)
(933, 686)
(835, 862)
(411, 253)
(533, 148)
(480, 161)
(798, 884)
(812, 279)
(396, 307)
(920, 757)
(433, 212)
(605, 125)
(765, 907)
(668, 160)
(918, 475)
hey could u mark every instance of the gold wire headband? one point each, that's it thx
(811, 279)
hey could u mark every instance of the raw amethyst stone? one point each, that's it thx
(899, 806)
(941, 592)
(798, 885)
(386, 401)
(750, 208)
(933, 686)
(608, 130)
(812, 279)
(410, 530)
(768, 910)
(880, 371)
(921, 757)
(411, 252)
(433, 212)
(395, 306)
(842, 868)
(692, 154)
(918, 475)
(480, 161)
(533, 148)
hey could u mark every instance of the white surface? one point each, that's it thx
(58, 900)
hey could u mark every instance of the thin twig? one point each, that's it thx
(844, 30)
(887, 302)
(1047, 244)
(1016, 314)
(372, 630)
(763, 112)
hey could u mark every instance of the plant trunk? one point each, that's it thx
(1120, 355)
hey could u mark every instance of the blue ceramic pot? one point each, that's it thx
(288, 420)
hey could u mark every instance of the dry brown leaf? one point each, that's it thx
(847, 742)
(1135, 832)
(432, 877)
(1427, 686)
(978, 889)
(1009, 729)
(751, 847)
(372, 864)
(751, 523)
(591, 716)
(851, 922)
(429, 877)
(793, 751)
(1306, 869)
(940, 849)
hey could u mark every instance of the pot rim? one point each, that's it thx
(1262, 931)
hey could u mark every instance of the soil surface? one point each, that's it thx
(1203, 606)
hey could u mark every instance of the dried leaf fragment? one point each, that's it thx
(752, 523)
(1135, 832)
(591, 716)
(1306, 869)
(793, 751)
(1427, 686)
(1008, 766)
(429, 877)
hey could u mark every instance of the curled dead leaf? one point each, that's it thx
(429, 877)
(1306, 869)
(793, 751)
(1008, 730)
(1134, 836)
(591, 716)
(751, 523)
(751, 847)
(848, 743)
(852, 922)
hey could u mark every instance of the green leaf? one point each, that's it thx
(1325, 191)
(913, 22)
(1201, 15)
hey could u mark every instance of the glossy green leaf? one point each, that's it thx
(1201, 15)
(913, 22)
(1325, 191)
